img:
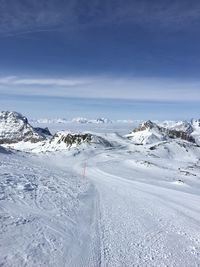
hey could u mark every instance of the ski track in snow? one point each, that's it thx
(48, 216)
(129, 209)
(141, 229)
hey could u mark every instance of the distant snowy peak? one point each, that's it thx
(49, 121)
(14, 128)
(12, 116)
(147, 125)
(103, 120)
(74, 120)
(149, 132)
(98, 120)
(189, 130)
(80, 120)
(184, 126)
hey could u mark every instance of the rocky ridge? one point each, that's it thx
(69, 139)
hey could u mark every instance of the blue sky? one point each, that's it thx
(128, 59)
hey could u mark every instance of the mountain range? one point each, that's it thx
(17, 132)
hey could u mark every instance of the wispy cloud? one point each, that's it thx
(148, 89)
(14, 80)
(28, 16)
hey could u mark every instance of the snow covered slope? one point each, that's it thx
(102, 199)
(45, 214)
(125, 206)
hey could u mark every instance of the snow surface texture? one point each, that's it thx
(103, 201)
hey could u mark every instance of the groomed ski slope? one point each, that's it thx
(132, 207)
(147, 217)
(144, 225)
(47, 214)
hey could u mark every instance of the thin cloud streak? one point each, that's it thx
(148, 89)
(14, 80)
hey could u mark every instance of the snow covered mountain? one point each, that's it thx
(65, 140)
(14, 128)
(17, 133)
(149, 132)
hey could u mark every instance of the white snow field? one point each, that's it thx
(96, 204)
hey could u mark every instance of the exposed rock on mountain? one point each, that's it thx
(71, 139)
(179, 126)
(147, 125)
(149, 132)
(75, 139)
(14, 128)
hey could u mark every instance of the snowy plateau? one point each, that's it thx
(99, 194)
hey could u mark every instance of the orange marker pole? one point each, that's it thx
(84, 169)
